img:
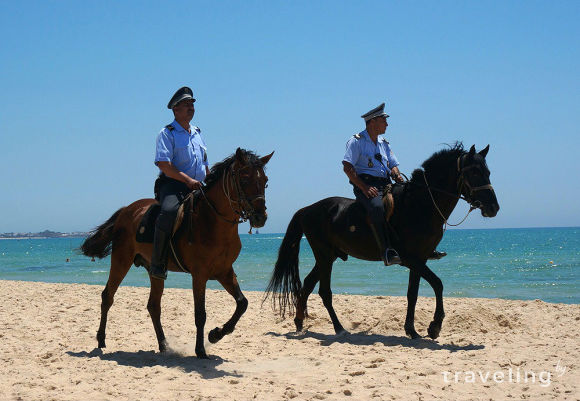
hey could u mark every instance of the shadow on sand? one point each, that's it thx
(363, 338)
(207, 368)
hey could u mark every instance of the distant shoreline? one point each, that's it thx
(78, 234)
(66, 236)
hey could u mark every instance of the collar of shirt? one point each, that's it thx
(178, 127)
(366, 135)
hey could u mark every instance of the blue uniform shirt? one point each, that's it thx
(361, 151)
(185, 151)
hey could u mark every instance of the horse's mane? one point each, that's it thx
(439, 162)
(219, 169)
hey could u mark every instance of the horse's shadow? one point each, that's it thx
(207, 368)
(363, 338)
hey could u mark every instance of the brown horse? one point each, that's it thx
(234, 191)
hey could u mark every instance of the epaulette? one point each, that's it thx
(170, 127)
(357, 136)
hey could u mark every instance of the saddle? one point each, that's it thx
(391, 192)
(146, 228)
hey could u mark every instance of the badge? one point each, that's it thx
(371, 165)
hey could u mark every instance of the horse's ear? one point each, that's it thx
(266, 159)
(472, 151)
(241, 157)
(483, 153)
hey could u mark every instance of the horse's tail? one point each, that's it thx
(285, 279)
(100, 241)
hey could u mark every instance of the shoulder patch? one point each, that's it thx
(170, 127)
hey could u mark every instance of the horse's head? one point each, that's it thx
(474, 183)
(251, 181)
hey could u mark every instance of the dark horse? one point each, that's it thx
(234, 188)
(336, 227)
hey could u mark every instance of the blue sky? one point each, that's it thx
(84, 87)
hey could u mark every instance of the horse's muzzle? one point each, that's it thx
(489, 210)
(258, 220)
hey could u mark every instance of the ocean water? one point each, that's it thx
(527, 263)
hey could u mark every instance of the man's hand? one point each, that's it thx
(193, 184)
(370, 192)
(396, 174)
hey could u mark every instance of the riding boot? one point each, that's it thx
(436, 255)
(159, 257)
(388, 254)
(391, 255)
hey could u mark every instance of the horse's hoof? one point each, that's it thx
(214, 335)
(101, 341)
(413, 334)
(299, 324)
(201, 354)
(434, 329)
(342, 332)
(163, 346)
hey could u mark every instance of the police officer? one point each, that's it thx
(369, 163)
(181, 156)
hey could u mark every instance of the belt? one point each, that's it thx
(371, 179)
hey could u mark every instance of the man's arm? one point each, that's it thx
(370, 192)
(170, 171)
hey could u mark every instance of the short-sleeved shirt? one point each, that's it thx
(186, 151)
(361, 151)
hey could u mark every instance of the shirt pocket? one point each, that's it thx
(184, 154)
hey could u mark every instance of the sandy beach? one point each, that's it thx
(489, 349)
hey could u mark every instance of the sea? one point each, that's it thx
(520, 263)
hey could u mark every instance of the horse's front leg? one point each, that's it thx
(412, 292)
(154, 308)
(200, 315)
(437, 285)
(230, 283)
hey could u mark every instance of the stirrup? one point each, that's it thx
(391, 257)
(159, 273)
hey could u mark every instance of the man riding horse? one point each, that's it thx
(181, 155)
(369, 162)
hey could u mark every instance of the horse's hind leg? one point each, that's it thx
(154, 309)
(120, 265)
(230, 283)
(301, 305)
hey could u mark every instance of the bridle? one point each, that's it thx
(461, 182)
(244, 208)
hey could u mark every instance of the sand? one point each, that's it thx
(488, 349)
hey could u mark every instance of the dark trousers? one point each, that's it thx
(374, 207)
(170, 193)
